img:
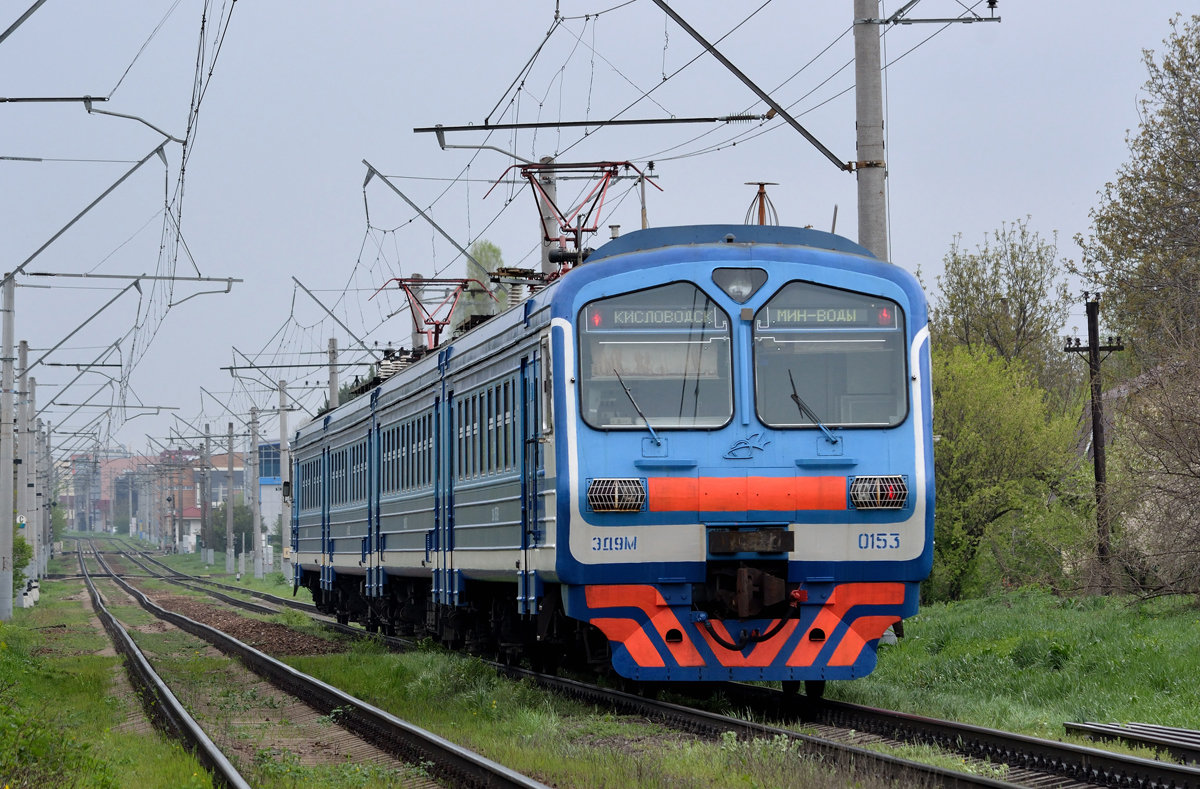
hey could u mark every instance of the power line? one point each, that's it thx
(673, 74)
(748, 135)
(145, 44)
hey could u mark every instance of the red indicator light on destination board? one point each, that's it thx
(596, 319)
(885, 317)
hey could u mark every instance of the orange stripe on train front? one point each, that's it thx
(629, 633)
(845, 597)
(673, 494)
(736, 494)
(651, 602)
(641, 596)
(861, 630)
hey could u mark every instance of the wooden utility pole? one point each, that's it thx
(1093, 349)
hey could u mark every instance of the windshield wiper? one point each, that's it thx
(636, 407)
(805, 410)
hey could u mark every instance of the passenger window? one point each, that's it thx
(845, 353)
(670, 346)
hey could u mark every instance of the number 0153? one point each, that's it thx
(878, 541)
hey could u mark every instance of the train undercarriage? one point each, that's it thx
(487, 623)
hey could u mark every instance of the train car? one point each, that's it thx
(704, 454)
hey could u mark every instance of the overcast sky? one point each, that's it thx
(986, 123)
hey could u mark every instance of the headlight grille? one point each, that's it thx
(879, 493)
(616, 495)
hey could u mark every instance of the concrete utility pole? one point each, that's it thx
(129, 501)
(21, 445)
(255, 509)
(645, 218)
(6, 452)
(206, 526)
(548, 224)
(177, 504)
(870, 166)
(1093, 349)
(285, 468)
(229, 504)
(333, 373)
(43, 495)
(32, 461)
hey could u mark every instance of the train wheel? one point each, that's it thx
(814, 688)
(791, 686)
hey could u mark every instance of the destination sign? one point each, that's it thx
(874, 316)
(635, 318)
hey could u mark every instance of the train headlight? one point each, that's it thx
(739, 283)
(879, 493)
(616, 495)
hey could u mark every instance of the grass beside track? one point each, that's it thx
(233, 712)
(557, 741)
(1027, 661)
(61, 724)
(274, 583)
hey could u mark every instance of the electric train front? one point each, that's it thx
(750, 466)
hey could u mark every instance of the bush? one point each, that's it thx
(1003, 467)
(22, 554)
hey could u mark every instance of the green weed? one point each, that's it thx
(1028, 661)
(58, 712)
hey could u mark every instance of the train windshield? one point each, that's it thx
(829, 355)
(662, 354)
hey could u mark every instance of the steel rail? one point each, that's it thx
(1182, 744)
(307, 608)
(688, 718)
(1091, 766)
(162, 707)
(448, 762)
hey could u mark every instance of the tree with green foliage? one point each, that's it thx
(1001, 458)
(1144, 251)
(1155, 479)
(243, 526)
(475, 302)
(22, 555)
(58, 522)
(1008, 296)
(1144, 254)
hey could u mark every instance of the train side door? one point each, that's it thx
(326, 542)
(370, 555)
(444, 581)
(530, 421)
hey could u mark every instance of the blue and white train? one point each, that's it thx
(704, 454)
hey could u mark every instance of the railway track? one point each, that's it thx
(677, 716)
(160, 703)
(1031, 761)
(448, 763)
